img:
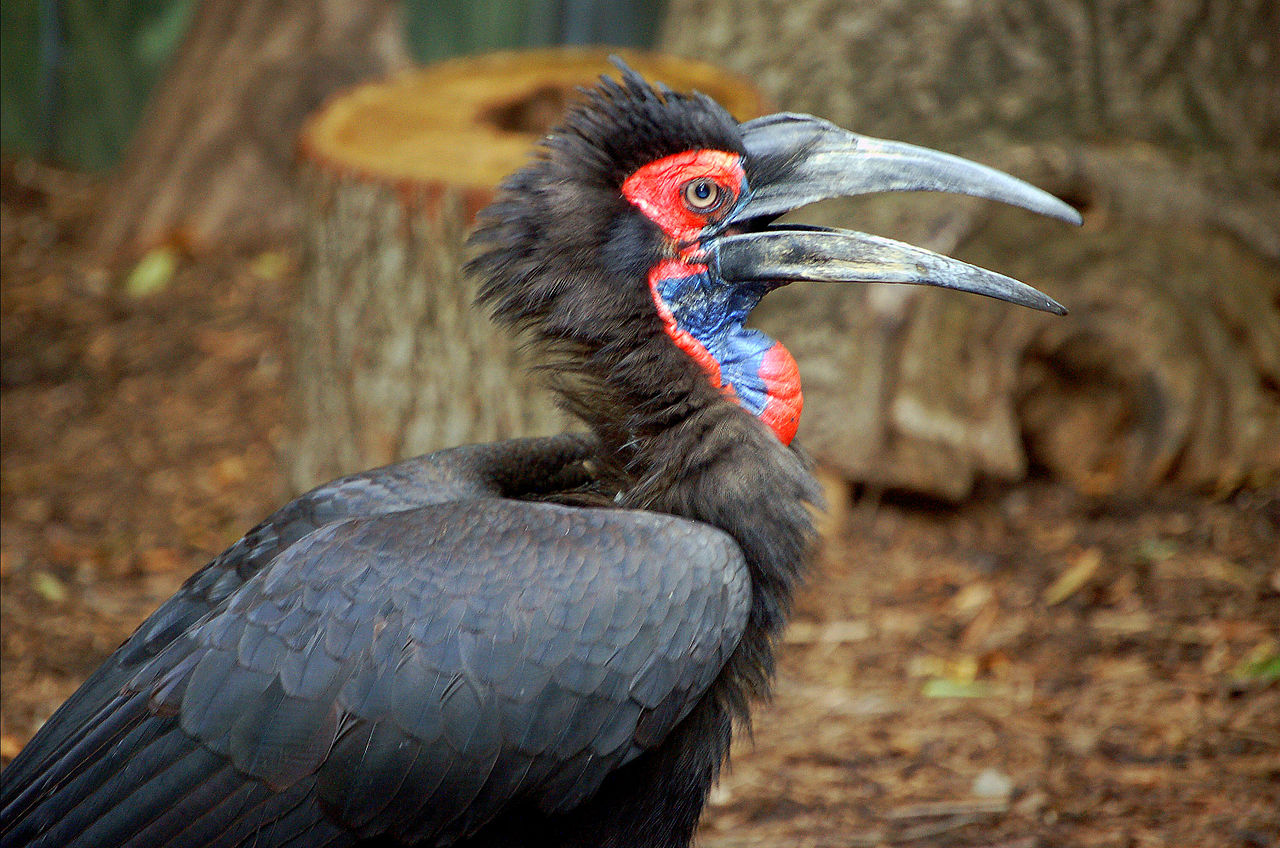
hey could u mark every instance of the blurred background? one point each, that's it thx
(77, 73)
(1047, 608)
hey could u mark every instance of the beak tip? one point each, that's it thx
(1063, 211)
(1054, 307)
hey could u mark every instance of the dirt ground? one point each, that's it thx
(1033, 668)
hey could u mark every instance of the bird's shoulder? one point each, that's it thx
(454, 475)
(417, 672)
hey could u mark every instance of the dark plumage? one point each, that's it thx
(537, 642)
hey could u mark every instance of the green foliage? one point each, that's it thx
(439, 29)
(77, 73)
(23, 123)
(1261, 666)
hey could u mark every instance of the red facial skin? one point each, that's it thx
(657, 189)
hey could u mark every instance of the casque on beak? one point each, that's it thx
(800, 159)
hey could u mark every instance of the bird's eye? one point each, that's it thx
(703, 195)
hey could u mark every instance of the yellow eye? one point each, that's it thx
(703, 195)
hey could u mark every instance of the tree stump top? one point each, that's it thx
(471, 121)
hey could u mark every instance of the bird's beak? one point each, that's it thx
(802, 159)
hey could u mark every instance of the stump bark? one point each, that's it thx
(1160, 119)
(391, 356)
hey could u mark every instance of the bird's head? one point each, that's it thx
(641, 236)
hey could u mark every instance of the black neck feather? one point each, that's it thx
(561, 255)
(722, 466)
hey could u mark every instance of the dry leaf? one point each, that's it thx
(9, 746)
(1078, 574)
(160, 560)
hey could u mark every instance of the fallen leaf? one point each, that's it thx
(1154, 551)
(1078, 574)
(270, 264)
(153, 273)
(947, 687)
(160, 560)
(229, 471)
(830, 633)
(48, 587)
(992, 783)
(970, 600)
(1225, 571)
(9, 746)
(1260, 666)
(1122, 623)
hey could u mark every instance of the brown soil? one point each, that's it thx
(1033, 668)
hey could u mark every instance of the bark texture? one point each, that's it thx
(392, 356)
(1161, 120)
(213, 156)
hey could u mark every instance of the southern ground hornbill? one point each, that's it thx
(536, 642)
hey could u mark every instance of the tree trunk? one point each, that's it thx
(1161, 120)
(212, 158)
(392, 357)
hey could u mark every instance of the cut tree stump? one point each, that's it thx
(392, 358)
(1160, 120)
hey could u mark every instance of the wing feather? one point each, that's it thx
(412, 674)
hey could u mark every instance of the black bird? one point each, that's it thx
(536, 642)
